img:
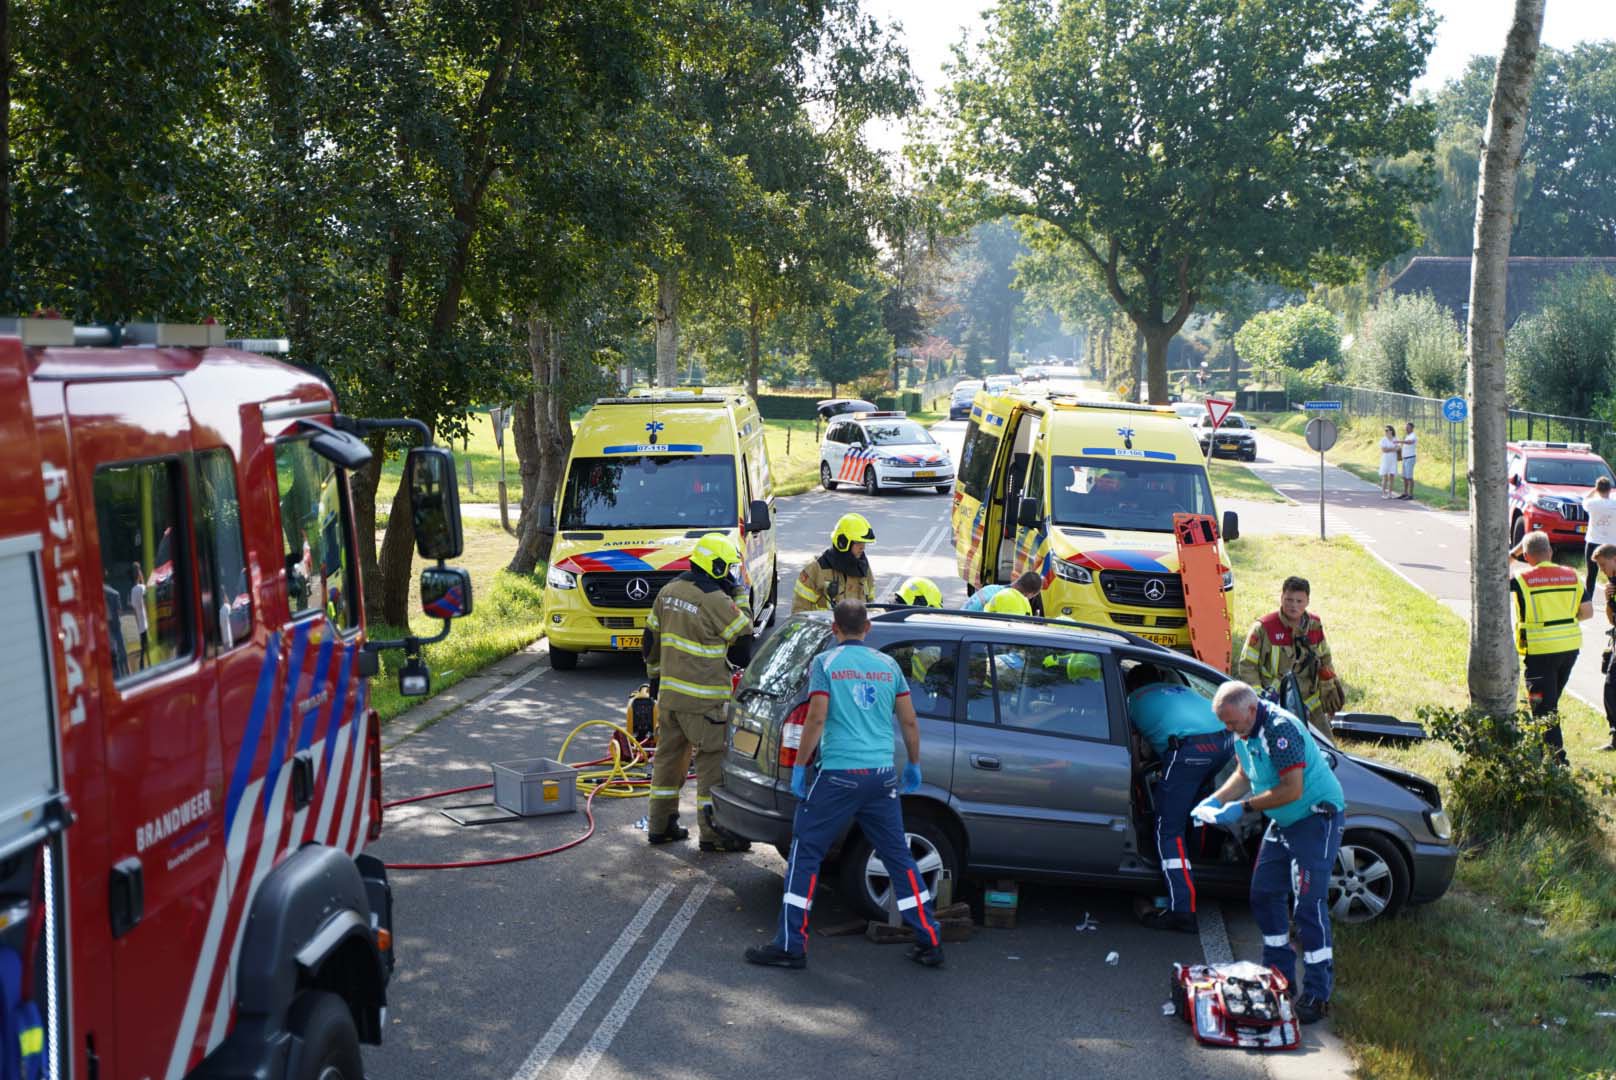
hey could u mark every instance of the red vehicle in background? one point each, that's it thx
(192, 768)
(1547, 482)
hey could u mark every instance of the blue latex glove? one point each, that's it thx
(1204, 805)
(1228, 815)
(911, 779)
(799, 781)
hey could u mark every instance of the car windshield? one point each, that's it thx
(650, 491)
(897, 433)
(1572, 472)
(1127, 493)
(781, 664)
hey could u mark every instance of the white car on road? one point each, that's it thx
(876, 450)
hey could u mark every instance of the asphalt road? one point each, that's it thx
(615, 959)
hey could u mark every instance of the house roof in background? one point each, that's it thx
(1448, 279)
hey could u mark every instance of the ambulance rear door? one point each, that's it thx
(1010, 467)
(132, 469)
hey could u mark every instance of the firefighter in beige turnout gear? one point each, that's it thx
(693, 634)
(841, 571)
(1291, 641)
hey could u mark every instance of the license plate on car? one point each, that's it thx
(1228, 446)
(625, 641)
(1161, 639)
(924, 473)
(746, 743)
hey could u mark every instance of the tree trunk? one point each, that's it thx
(1493, 660)
(545, 460)
(362, 487)
(282, 78)
(667, 328)
(1105, 354)
(1138, 362)
(1234, 371)
(753, 353)
(1156, 342)
(5, 132)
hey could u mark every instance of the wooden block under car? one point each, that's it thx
(999, 905)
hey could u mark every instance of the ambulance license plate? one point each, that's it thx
(746, 743)
(625, 641)
(1161, 639)
(925, 473)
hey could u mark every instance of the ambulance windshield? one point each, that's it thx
(1127, 493)
(651, 491)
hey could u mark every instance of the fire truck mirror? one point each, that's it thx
(435, 498)
(348, 451)
(445, 592)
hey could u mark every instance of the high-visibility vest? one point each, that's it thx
(1549, 597)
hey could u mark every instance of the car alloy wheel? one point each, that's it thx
(1368, 881)
(871, 485)
(824, 476)
(928, 860)
(865, 882)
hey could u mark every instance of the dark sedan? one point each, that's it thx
(1233, 438)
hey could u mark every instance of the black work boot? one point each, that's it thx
(1310, 1009)
(772, 955)
(927, 955)
(1168, 919)
(669, 833)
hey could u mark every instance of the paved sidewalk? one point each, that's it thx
(1428, 548)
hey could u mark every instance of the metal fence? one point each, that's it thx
(1427, 413)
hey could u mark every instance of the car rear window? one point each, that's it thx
(780, 667)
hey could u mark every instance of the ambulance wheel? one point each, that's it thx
(329, 1047)
(1370, 879)
(865, 882)
(774, 595)
(824, 477)
(562, 659)
(872, 486)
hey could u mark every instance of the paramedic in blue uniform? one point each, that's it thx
(853, 693)
(1283, 774)
(1192, 746)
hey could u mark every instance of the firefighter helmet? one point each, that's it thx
(851, 529)
(715, 554)
(920, 592)
(1009, 602)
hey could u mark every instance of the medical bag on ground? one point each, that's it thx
(1241, 1004)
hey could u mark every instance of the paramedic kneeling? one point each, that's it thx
(1289, 780)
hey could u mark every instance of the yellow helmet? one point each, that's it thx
(716, 554)
(1009, 602)
(851, 529)
(921, 592)
(1077, 666)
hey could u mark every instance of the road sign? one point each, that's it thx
(1322, 406)
(1455, 409)
(499, 416)
(1321, 433)
(1218, 409)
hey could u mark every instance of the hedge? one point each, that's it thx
(793, 407)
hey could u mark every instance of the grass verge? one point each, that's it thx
(1357, 450)
(506, 616)
(1472, 985)
(1232, 480)
(793, 455)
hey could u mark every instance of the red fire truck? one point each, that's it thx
(191, 769)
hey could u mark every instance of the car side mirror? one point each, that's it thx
(1027, 515)
(446, 592)
(757, 517)
(434, 502)
(1515, 478)
(1231, 525)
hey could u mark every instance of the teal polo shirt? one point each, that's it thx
(1277, 744)
(862, 686)
(1162, 711)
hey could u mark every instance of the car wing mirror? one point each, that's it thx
(446, 592)
(1231, 525)
(1027, 515)
(434, 502)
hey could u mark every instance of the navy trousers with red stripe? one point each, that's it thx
(835, 797)
(1185, 771)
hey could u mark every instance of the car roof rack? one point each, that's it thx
(904, 614)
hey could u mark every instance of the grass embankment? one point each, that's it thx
(1473, 985)
(506, 616)
(1357, 450)
(1232, 480)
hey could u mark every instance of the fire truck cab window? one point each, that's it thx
(222, 562)
(145, 575)
(314, 533)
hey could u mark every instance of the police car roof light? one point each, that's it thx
(1064, 401)
(879, 414)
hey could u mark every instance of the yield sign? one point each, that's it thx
(1218, 409)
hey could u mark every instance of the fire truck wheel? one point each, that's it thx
(330, 1049)
(563, 659)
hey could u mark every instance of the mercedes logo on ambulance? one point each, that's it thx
(1155, 589)
(639, 589)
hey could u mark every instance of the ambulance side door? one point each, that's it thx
(1032, 539)
(132, 471)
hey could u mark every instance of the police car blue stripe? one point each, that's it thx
(344, 670)
(277, 749)
(322, 668)
(249, 741)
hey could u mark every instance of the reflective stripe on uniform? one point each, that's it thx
(733, 630)
(710, 691)
(651, 620)
(32, 1041)
(664, 793)
(1317, 956)
(913, 901)
(799, 901)
(805, 592)
(694, 648)
(1175, 864)
(1276, 941)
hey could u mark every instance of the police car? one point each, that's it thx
(882, 449)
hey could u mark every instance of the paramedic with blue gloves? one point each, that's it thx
(1294, 785)
(853, 693)
(1193, 747)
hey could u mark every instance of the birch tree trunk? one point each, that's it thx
(543, 435)
(1493, 661)
(667, 327)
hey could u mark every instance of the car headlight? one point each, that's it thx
(1543, 502)
(1441, 827)
(1077, 575)
(560, 579)
(1228, 580)
(889, 461)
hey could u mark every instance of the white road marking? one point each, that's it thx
(601, 1041)
(483, 704)
(921, 552)
(1214, 935)
(569, 1016)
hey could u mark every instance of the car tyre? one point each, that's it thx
(824, 477)
(872, 486)
(562, 659)
(774, 595)
(329, 1042)
(863, 880)
(1249, 457)
(1370, 879)
(1517, 531)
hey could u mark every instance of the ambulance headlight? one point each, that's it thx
(1228, 580)
(1077, 575)
(560, 579)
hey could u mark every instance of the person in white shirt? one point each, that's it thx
(137, 603)
(1601, 510)
(1388, 461)
(1410, 446)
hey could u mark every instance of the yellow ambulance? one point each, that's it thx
(1083, 492)
(649, 475)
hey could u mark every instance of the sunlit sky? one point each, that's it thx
(1468, 28)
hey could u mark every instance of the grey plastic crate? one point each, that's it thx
(533, 786)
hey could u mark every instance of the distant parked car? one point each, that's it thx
(1031, 772)
(1233, 437)
(959, 405)
(876, 450)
